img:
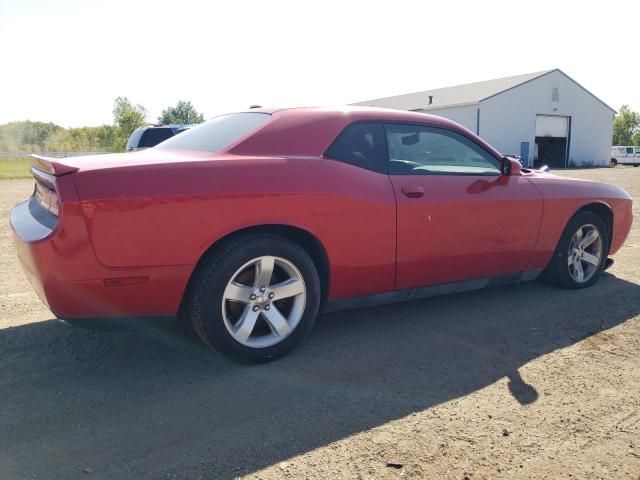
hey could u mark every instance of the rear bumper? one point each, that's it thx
(59, 262)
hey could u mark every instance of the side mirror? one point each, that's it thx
(510, 166)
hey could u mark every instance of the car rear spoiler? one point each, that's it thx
(51, 165)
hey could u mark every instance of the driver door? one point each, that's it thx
(457, 217)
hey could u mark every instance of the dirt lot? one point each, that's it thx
(525, 381)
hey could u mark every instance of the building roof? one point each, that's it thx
(458, 95)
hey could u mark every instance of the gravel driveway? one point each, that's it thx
(525, 381)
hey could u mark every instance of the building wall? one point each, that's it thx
(510, 118)
(465, 115)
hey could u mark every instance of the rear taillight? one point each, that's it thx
(45, 191)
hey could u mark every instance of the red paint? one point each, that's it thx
(152, 215)
(464, 227)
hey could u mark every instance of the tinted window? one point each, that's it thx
(629, 150)
(415, 149)
(153, 136)
(360, 144)
(134, 139)
(217, 133)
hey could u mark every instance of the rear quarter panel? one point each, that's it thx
(171, 214)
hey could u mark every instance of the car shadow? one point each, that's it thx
(145, 402)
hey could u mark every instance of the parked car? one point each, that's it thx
(152, 135)
(628, 155)
(251, 223)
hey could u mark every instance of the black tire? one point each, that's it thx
(636, 164)
(204, 302)
(558, 271)
(614, 162)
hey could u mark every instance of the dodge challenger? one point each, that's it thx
(249, 225)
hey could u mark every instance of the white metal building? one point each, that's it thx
(546, 117)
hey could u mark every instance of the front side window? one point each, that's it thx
(360, 144)
(218, 133)
(422, 150)
(629, 149)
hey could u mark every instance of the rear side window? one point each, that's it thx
(217, 133)
(629, 149)
(153, 136)
(361, 144)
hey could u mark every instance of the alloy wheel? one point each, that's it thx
(585, 253)
(264, 301)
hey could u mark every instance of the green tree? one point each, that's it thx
(182, 113)
(106, 137)
(626, 127)
(126, 118)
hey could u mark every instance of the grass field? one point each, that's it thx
(14, 167)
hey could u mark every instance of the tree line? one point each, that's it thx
(29, 136)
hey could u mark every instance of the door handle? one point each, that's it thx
(413, 192)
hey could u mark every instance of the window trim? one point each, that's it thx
(445, 129)
(383, 168)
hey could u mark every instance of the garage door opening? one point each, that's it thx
(552, 138)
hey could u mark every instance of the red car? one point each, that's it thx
(250, 224)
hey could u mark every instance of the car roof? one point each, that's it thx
(310, 130)
(357, 113)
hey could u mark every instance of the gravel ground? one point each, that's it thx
(525, 381)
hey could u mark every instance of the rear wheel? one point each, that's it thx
(636, 164)
(255, 299)
(581, 254)
(614, 162)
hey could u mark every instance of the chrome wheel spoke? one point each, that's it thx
(591, 237)
(238, 292)
(289, 288)
(592, 259)
(577, 268)
(571, 258)
(577, 238)
(264, 271)
(246, 324)
(276, 321)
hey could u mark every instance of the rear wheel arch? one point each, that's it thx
(305, 239)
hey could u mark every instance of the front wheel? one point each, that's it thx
(256, 298)
(614, 162)
(581, 254)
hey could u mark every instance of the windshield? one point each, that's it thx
(217, 133)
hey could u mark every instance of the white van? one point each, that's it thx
(625, 156)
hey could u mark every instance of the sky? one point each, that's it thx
(65, 61)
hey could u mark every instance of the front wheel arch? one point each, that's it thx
(604, 212)
(557, 272)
